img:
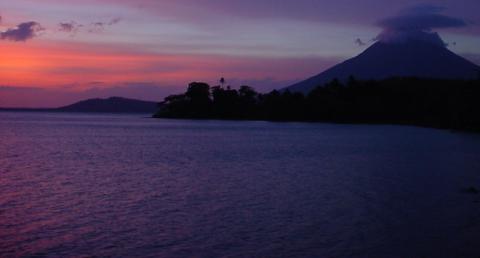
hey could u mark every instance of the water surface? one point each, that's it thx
(74, 185)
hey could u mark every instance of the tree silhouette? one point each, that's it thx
(437, 103)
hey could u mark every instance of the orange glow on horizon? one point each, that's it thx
(46, 64)
(50, 66)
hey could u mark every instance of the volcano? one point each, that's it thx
(412, 58)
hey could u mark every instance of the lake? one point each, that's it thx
(79, 185)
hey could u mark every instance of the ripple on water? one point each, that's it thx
(75, 185)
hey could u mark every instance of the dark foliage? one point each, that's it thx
(451, 104)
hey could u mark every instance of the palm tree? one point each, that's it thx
(222, 81)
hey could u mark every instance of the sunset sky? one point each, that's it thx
(54, 52)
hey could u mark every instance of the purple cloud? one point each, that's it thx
(422, 22)
(114, 21)
(359, 42)
(22, 32)
(418, 23)
(97, 27)
(69, 27)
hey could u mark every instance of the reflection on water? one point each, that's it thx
(76, 185)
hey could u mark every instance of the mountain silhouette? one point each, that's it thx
(111, 105)
(412, 58)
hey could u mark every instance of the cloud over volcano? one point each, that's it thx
(418, 23)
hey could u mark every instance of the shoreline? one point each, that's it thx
(339, 122)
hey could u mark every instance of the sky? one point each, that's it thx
(55, 52)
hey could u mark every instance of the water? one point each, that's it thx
(76, 185)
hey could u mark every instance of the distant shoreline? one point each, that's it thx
(372, 123)
(29, 110)
(110, 105)
(149, 115)
(54, 110)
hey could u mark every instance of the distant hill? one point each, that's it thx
(412, 58)
(112, 105)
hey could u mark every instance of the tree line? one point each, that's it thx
(453, 104)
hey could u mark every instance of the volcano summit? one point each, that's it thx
(406, 47)
(412, 57)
